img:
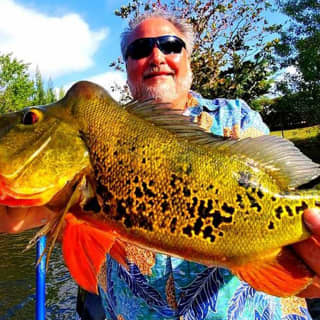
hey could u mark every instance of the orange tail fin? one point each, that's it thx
(281, 274)
(84, 248)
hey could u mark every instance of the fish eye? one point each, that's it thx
(31, 117)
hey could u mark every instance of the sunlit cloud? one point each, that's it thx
(56, 44)
(107, 80)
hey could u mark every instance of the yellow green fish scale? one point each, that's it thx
(165, 193)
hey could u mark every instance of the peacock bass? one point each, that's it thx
(144, 174)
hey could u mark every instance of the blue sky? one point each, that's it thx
(68, 40)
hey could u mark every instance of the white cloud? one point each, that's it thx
(58, 45)
(106, 80)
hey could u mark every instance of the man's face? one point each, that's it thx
(164, 78)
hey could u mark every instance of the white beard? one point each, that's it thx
(164, 92)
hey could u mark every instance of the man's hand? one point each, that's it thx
(16, 220)
(309, 251)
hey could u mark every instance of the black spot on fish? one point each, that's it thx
(217, 219)
(190, 209)
(121, 209)
(207, 233)
(136, 179)
(115, 153)
(273, 198)
(120, 162)
(151, 183)
(271, 225)
(197, 226)
(143, 160)
(92, 205)
(141, 207)
(220, 234)
(240, 201)
(289, 210)
(138, 192)
(194, 201)
(210, 187)
(128, 222)
(201, 209)
(173, 224)
(254, 203)
(317, 203)
(147, 191)
(186, 192)
(260, 194)
(165, 206)
(187, 231)
(133, 148)
(227, 209)
(301, 208)
(164, 195)
(278, 211)
(145, 223)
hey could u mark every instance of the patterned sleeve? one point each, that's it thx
(231, 118)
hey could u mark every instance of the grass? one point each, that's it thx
(308, 141)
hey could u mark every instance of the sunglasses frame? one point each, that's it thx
(159, 41)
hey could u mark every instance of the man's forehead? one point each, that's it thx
(154, 27)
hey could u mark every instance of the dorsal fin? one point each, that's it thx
(279, 157)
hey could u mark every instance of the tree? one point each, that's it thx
(299, 47)
(50, 96)
(231, 57)
(39, 97)
(16, 87)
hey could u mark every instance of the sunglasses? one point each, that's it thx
(142, 48)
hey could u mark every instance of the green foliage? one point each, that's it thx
(232, 57)
(39, 96)
(300, 47)
(16, 87)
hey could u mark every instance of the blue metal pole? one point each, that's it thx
(41, 281)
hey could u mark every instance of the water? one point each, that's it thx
(17, 282)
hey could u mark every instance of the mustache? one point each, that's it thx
(157, 69)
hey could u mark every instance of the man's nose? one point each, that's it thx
(156, 56)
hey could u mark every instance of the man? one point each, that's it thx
(157, 286)
(156, 49)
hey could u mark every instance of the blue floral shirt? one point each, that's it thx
(157, 286)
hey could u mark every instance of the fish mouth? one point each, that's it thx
(9, 197)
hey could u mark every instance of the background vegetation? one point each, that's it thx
(238, 54)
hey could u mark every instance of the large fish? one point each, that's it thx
(146, 175)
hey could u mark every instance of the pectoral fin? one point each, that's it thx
(280, 274)
(84, 248)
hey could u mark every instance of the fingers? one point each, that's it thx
(15, 220)
(312, 291)
(312, 220)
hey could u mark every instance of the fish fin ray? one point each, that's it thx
(278, 156)
(283, 275)
(84, 248)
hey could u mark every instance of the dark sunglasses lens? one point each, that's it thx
(171, 45)
(140, 48)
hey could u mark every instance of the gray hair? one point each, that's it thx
(181, 24)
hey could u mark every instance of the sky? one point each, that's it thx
(67, 40)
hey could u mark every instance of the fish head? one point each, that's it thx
(41, 151)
